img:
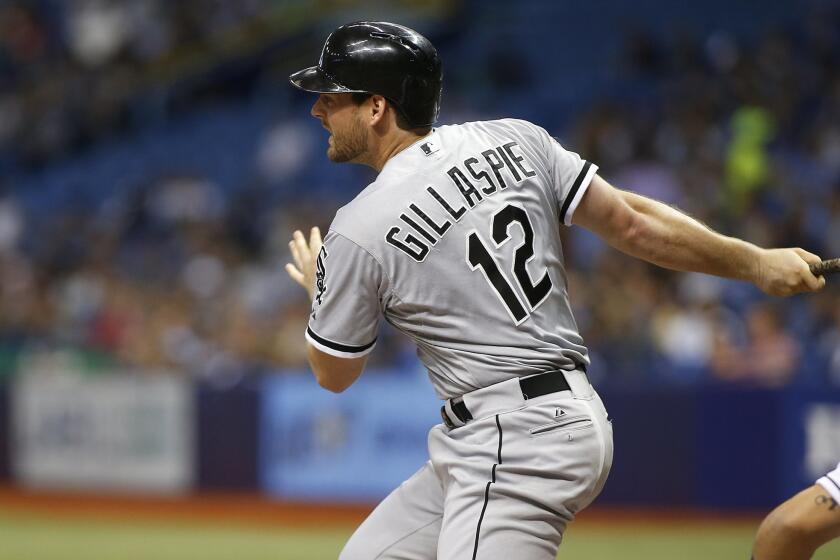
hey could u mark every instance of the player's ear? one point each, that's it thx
(378, 109)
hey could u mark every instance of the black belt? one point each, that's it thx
(531, 387)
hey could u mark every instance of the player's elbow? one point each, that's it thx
(331, 383)
(329, 379)
(781, 529)
(779, 524)
(332, 373)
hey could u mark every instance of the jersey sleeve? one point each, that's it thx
(570, 175)
(345, 306)
(831, 483)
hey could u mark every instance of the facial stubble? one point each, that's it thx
(350, 144)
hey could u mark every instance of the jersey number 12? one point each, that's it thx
(479, 257)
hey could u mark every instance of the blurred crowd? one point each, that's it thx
(179, 271)
(745, 136)
(74, 72)
(77, 292)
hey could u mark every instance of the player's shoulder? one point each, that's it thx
(362, 219)
(519, 127)
(526, 133)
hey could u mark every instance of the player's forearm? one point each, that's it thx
(668, 238)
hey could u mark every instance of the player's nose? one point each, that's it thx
(317, 109)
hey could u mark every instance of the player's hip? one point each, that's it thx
(555, 449)
(554, 422)
(516, 393)
(555, 408)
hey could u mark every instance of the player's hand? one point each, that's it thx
(305, 254)
(785, 272)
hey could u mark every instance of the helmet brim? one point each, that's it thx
(315, 80)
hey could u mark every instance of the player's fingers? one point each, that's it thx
(294, 273)
(315, 240)
(809, 258)
(294, 251)
(813, 282)
(302, 248)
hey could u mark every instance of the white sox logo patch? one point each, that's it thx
(320, 275)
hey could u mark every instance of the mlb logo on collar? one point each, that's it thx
(429, 147)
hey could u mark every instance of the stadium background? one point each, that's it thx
(154, 399)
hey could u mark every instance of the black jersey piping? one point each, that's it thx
(487, 489)
(339, 347)
(831, 480)
(573, 191)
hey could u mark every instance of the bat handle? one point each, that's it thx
(826, 267)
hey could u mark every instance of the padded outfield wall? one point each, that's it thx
(710, 447)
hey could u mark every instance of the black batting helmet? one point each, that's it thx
(382, 58)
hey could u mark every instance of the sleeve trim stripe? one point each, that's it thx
(584, 186)
(831, 487)
(336, 347)
(573, 191)
(327, 350)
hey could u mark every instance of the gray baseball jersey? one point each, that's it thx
(456, 243)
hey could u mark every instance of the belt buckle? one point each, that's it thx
(446, 419)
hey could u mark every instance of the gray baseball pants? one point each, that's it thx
(503, 486)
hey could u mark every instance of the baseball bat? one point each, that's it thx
(831, 266)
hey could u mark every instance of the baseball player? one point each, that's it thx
(456, 244)
(795, 529)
